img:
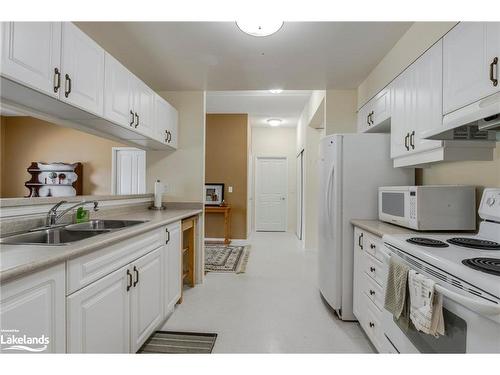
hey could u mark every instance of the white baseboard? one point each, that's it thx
(236, 242)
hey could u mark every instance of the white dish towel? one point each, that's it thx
(426, 306)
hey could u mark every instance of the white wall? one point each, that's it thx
(419, 37)
(184, 169)
(310, 109)
(340, 111)
(278, 142)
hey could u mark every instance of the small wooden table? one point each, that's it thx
(226, 210)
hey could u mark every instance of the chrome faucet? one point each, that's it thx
(53, 216)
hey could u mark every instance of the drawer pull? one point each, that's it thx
(492, 75)
(372, 292)
(372, 269)
(372, 246)
(360, 239)
(372, 324)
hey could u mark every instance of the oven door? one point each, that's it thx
(394, 206)
(471, 326)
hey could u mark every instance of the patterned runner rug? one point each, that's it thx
(167, 342)
(226, 258)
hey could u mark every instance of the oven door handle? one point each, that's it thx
(485, 308)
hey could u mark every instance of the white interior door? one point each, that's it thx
(271, 194)
(300, 193)
(129, 175)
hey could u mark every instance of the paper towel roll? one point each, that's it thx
(159, 189)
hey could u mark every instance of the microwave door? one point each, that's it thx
(393, 207)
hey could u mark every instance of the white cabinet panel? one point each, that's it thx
(31, 53)
(173, 266)
(99, 316)
(147, 298)
(118, 93)
(35, 306)
(82, 65)
(143, 107)
(468, 52)
(166, 122)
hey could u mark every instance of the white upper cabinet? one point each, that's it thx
(374, 116)
(166, 119)
(118, 97)
(143, 107)
(31, 53)
(82, 66)
(471, 52)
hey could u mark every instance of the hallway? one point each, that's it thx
(275, 307)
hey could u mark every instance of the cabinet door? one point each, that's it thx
(82, 63)
(144, 108)
(147, 297)
(427, 110)
(99, 316)
(166, 118)
(468, 51)
(117, 93)
(173, 260)
(381, 107)
(363, 121)
(35, 306)
(401, 119)
(31, 52)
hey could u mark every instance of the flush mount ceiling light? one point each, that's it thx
(274, 122)
(276, 91)
(264, 28)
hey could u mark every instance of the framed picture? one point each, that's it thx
(214, 194)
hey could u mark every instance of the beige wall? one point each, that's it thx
(340, 111)
(26, 139)
(278, 142)
(183, 170)
(226, 161)
(310, 109)
(419, 37)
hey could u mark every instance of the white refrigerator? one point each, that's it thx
(351, 168)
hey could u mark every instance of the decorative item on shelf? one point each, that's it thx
(223, 203)
(214, 194)
(55, 179)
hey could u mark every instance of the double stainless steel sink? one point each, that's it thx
(68, 234)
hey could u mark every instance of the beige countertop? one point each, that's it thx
(379, 228)
(20, 260)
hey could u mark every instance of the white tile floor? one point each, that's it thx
(275, 307)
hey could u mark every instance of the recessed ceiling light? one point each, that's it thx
(264, 28)
(274, 121)
(276, 91)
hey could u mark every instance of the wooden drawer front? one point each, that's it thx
(375, 269)
(91, 267)
(374, 291)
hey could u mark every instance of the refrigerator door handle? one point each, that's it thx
(328, 197)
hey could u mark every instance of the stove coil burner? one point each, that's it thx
(429, 242)
(488, 265)
(475, 243)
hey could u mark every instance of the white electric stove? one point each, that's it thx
(466, 269)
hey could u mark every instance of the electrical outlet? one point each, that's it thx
(229, 189)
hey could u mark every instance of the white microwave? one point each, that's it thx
(428, 207)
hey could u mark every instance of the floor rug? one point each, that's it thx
(168, 342)
(226, 258)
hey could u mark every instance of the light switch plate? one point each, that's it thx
(229, 189)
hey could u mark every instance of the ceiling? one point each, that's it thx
(218, 56)
(260, 105)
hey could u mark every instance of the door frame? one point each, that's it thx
(300, 199)
(114, 151)
(257, 157)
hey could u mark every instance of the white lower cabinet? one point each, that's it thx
(35, 306)
(146, 298)
(98, 317)
(118, 313)
(370, 274)
(173, 266)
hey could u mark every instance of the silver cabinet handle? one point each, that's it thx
(493, 64)
(136, 120)
(412, 140)
(57, 79)
(360, 239)
(132, 118)
(67, 84)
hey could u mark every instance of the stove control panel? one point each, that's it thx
(489, 208)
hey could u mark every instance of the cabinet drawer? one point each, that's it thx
(373, 327)
(374, 291)
(375, 269)
(91, 267)
(373, 246)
